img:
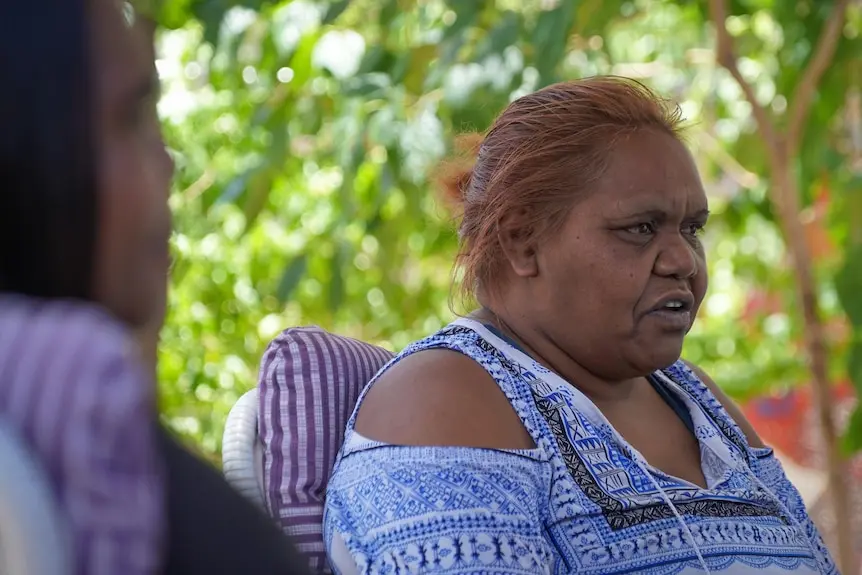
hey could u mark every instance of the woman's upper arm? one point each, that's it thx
(442, 509)
(444, 398)
(74, 387)
(729, 406)
(455, 487)
(114, 480)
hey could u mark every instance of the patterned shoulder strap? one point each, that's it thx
(691, 384)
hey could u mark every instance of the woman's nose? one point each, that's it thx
(677, 258)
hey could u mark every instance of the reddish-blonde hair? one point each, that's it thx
(540, 155)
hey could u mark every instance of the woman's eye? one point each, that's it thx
(641, 229)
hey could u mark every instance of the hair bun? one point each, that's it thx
(454, 174)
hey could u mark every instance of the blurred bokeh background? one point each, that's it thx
(306, 133)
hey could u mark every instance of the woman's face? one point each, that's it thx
(133, 170)
(620, 285)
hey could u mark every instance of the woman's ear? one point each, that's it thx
(517, 241)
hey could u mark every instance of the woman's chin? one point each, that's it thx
(662, 356)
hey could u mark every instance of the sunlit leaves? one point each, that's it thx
(307, 133)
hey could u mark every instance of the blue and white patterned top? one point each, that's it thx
(582, 501)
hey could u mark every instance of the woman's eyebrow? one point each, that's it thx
(656, 214)
(639, 212)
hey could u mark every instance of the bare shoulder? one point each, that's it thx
(440, 398)
(729, 406)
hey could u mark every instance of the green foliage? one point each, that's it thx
(849, 287)
(306, 134)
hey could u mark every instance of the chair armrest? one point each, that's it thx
(242, 452)
(34, 538)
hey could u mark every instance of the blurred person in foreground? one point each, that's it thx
(84, 230)
(555, 429)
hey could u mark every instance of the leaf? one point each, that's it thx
(180, 267)
(466, 15)
(420, 58)
(211, 14)
(291, 277)
(388, 13)
(173, 14)
(234, 189)
(594, 16)
(853, 436)
(551, 37)
(400, 68)
(854, 363)
(334, 11)
(301, 62)
(377, 59)
(849, 286)
(386, 181)
(853, 208)
(353, 156)
(368, 86)
(848, 283)
(503, 35)
(278, 128)
(259, 187)
(336, 283)
(480, 109)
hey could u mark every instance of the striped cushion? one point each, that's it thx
(309, 383)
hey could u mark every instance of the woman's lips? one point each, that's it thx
(679, 320)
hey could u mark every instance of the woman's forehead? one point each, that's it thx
(648, 172)
(650, 157)
(685, 197)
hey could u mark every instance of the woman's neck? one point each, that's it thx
(544, 350)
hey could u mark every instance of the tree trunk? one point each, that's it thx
(815, 341)
(781, 148)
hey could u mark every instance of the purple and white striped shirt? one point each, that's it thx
(71, 385)
(309, 383)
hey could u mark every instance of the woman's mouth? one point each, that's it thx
(672, 318)
(674, 311)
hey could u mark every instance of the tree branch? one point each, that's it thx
(728, 164)
(727, 58)
(800, 102)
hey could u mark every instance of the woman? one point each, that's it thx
(555, 429)
(84, 229)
